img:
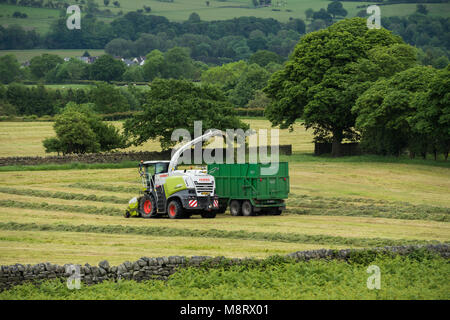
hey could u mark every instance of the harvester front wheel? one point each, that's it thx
(235, 208)
(147, 207)
(247, 208)
(175, 210)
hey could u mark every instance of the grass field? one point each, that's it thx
(40, 18)
(75, 216)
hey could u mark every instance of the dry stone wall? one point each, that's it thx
(114, 157)
(161, 268)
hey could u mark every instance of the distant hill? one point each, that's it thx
(179, 10)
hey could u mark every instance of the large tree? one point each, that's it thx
(79, 130)
(174, 104)
(385, 112)
(9, 68)
(106, 68)
(41, 65)
(326, 74)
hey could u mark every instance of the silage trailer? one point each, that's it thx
(247, 191)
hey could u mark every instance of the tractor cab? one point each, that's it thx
(153, 173)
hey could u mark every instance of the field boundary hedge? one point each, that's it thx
(113, 157)
(162, 267)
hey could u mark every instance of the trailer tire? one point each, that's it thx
(247, 208)
(208, 214)
(175, 210)
(147, 207)
(235, 208)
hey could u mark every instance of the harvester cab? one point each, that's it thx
(175, 193)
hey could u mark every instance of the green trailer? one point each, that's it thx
(248, 191)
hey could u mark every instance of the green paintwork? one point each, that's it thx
(174, 184)
(244, 181)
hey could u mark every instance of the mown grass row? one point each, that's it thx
(70, 166)
(59, 207)
(103, 187)
(303, 204)
(402, 277)
(63, 195)
(213, 233)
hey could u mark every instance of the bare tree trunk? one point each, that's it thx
(336, 150)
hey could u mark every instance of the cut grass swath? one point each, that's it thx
(213, 233)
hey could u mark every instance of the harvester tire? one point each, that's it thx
(247, 209)
(235, 208)
(147, 207)
(208, 214)
(175, 210)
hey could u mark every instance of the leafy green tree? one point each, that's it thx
(253, 79)
(9, 68)
(106, 68)
(225, 76)
(79, 130)
(133, 74)
(154, 64)
(309, 13)
(178, 64)
(385, 111)
(264, 57)
(432, 118)
(421, 8)
(318, 83)
(73, 69)
(336, 8)
(173, 104)
(194, 17)
(41, 65)
(74, 135)
(107, 98)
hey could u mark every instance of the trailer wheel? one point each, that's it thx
(235, 208)
(175, 210)
(208, 214)
(247, 208)
(147, 206)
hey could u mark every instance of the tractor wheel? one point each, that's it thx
(247, 208)
(235, 208)
(175, 210)
(147, 207)
(208, 214)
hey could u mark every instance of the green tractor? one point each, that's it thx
(175, 193)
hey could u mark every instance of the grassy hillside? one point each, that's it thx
(40, 18)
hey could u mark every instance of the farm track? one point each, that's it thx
(211, 233)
